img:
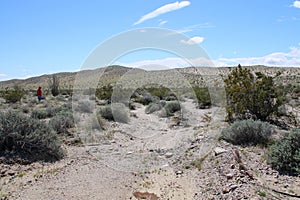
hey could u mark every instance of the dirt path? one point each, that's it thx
(144, 155)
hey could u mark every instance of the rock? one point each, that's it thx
(229, 176)
(178, 172)
(129, 152)
(219, 150)
(233, 187)
(11, 172)
(168, 155)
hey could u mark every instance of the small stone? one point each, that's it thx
(229, 176)
(178, 172)
(233, 187)
(168, 155)
(129, 152)
(219, 150)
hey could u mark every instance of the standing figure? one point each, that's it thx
(39, 93)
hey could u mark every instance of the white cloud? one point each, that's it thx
(296, 4)
(161, 23)
(2, 75)
(193, 40)
(162, 10)
(279, 59)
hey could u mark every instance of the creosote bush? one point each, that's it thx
(203, 97)
(248, 132)
(13, 95)
(31, 139)
(284, 154)
(250, 95)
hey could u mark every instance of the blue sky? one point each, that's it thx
(40, 37)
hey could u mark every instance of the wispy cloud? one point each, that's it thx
(162, 10)
(296, 4)
(193, 40)
(162, 22)
(2, 75)
(195, 27)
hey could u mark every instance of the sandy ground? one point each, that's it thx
(149, 158)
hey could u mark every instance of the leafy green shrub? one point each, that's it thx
(161, 92)
(203, 97)
(118, 113)
(13, 95)
(26, 137)
(248, 132)
(62, 122)
(104, 92)
(284, 154)
(170, 108)
(153, 107)
(250, 95)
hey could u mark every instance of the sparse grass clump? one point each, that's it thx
(28, 138)
(39, 114)
(248, 132)
(284, 154)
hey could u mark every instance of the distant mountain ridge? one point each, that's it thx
(112, 74)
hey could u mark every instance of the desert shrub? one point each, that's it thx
(26, 137)
(106, 112)
(104, 92)
(84, 106)
(25, 109)
(13, 95)
(153, 107)
(170, 108)
(62, 122)
(39, 114)
(284, 154)
(248, 132)
(161, 92)
(203, 97)
(250, 95)
(118, 113)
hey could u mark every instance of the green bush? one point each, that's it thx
(250, 95)
(170, 108)
(31, 139)
(104, 92)
(119, 112)
(203, 97)
(153, 107)
(284, 154)
(13, 95)
(248, 132)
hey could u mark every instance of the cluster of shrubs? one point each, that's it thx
(29, 138)
(256, 97)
